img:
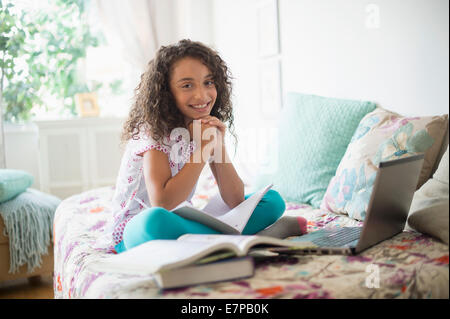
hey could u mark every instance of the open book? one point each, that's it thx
(163, 254)
(217, 215)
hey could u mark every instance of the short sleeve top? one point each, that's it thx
(130, 196)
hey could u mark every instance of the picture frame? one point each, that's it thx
(268, 29)
(86, 104)
(270, 96)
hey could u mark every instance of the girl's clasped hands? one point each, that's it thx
(210, 133)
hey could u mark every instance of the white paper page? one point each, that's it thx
(240, 241)
(245, 241)
(194, 214)
(239, 216)
(233, 222)
(216, 206)
(185, 203)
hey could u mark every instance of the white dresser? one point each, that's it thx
(78, 154)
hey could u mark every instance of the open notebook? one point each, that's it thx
(217, 215)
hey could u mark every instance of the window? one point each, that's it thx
(92, 62)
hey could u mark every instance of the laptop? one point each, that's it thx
(387, 212)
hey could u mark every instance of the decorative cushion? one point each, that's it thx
(441, 174)
(429, 213)
(382, 135)
(13, 182)
(314, 132)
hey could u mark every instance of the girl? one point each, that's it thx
(185, 85)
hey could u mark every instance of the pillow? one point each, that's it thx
(13, 182)
(429, 210)
(441, 174)
(382, 135)
(314, 132)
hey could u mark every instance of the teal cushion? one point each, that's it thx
(314, 132)
(13, 182)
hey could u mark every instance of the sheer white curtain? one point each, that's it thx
(132, 22)
(2, 137)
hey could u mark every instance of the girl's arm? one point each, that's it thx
(230, 185)
(164, 190)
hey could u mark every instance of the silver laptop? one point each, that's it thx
(388, 208)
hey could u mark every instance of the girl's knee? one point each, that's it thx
(267, 212)
(147, 225)
(154, 216)
(274, 204)
(155, 221)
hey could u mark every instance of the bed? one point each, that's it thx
(409, 265)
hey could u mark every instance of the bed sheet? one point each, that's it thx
(410, 265)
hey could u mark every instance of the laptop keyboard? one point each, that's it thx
(339, 238)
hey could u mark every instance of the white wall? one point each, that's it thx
(235, 38)
(193, 20)
(338, 48)
(235, 30)
(402, 65)
(392, 52)
(165, 24)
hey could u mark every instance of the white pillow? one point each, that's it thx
(429, 212)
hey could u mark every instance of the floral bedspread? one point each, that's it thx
(410, 265)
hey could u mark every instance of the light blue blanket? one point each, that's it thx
(28, 220)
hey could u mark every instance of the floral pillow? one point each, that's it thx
(381, 136)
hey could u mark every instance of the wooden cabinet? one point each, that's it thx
(78, 154)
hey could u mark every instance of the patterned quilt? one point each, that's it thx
(410, 265)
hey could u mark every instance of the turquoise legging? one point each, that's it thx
(159, 223)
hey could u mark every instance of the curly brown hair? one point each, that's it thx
(154, 107)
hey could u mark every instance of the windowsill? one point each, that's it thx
(81, 121)
(34, 125)
(20, 128)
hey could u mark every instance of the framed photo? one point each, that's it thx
(87, 104)
(268, 34)
(270, 87)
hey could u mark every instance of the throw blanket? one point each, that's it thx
(28, 220)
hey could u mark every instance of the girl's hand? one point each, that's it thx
(214, 121)
(221, 128)
(201, 139)
(203, 128)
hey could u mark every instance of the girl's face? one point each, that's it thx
(192, 85)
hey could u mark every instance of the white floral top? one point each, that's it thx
(130, 197)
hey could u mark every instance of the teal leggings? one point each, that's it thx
(159, 223)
